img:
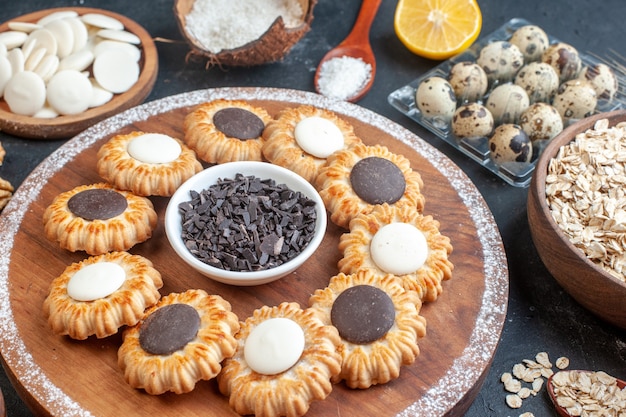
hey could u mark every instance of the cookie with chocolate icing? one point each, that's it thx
(146, 163)
(192, 328)
(99, 218)
(226, 130)
(379, 324)
(100, 294)
(357, 179)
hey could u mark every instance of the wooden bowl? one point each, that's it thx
(590, 285)
(63, 127)
(272, 46)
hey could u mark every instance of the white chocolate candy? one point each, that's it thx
(318, 136)
(25, 93)
(25, 27)
(69, 92)
(99, 95)
(46, 113)
(61, 14)
(96, 281)
(115, 70)
(6, 72)
(77, 61)
(274, 346)
(102, 21)
(44, 39)
(79, 32)
(62, 32)
(3, 49)
(154, 148)
(34, 59)
(47, 67)
(108, 44)
(16, 58)
(399, 248)
(13, 39)
(119, 35)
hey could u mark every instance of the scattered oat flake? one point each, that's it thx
(513, 401)
(562, 362)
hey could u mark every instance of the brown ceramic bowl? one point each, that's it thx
(591, 286)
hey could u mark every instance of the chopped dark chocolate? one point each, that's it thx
(247, 223)
(238, 123)
(97, 204)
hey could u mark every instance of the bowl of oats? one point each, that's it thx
(245, 223)
(577, 213)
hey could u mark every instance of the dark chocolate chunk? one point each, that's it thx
(169, 329)
(363, 314)
(377, 180)
(238, 123)
(247, 224)
(97, 204)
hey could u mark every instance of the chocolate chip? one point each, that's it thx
(363, 314)
(238, 123)
(169, 329)
(247, 223)
(97, 204)
(377, 180)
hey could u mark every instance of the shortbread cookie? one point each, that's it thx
(285, 359)
(182, 340)
(226, 131)
(100, 294)
(357, 179)
(147, 163)
(379, 324)
(301, 139)
(402, 242)
(98, 218)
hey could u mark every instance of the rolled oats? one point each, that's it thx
(6, 191)
(2, 153)
(513, 401)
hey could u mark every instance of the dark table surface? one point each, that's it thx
(540, 317)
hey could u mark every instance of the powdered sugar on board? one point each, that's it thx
(451, 388)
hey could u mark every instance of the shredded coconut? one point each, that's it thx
(229, 24)
(343, 77)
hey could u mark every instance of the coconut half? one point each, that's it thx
(271, 46)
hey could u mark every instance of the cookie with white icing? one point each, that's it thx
(100, 294)
(181, 340)
(302, 138)
(378, 322)
(285, 359)
(147, 163)
(98, 218)
(226, 131)
(402, 242)
(357, 179)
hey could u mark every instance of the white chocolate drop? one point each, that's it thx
(119, 35)
(6, 72)
(102, 21)
(318, 136)
(25, 27)
(62, 32)
(61, 14)
(399, 248)
(69, 92)
(96, 281)
(154, 148)
(25, 93)
(79, 32)
(99, 95)
(44, 39)
(13, 39)
(274, 346)
(115, 70)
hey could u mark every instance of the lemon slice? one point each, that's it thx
(437, 29)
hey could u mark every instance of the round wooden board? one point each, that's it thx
(67, 126)
(59, 376)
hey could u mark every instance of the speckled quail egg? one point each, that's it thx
(539, 80)
(472, 120)
(541, 121)
(500, 60)
(507, 102)
(435, 99)
(509, 143)
(603, 80)
(575, 99)
(469, 81)
(531, 40)
(564, 58)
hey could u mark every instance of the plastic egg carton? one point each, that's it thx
(517, 174)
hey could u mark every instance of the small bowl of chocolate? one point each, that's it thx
(245, 223)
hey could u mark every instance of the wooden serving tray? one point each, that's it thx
(67, 126)
(59, 376)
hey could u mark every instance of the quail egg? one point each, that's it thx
(435, 99)
(531, 40)
(509, 143)
(575, 99)
(541, 121)
(507, 102)
(468, 80)
(603, 80)
(472, 120)
(500, 60)
(539, 80)
(564, 58)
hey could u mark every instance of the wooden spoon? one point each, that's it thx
(356, 45)
(562, 411)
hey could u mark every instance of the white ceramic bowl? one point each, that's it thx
(262, 170)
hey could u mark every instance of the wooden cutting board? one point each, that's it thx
(59, 376)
